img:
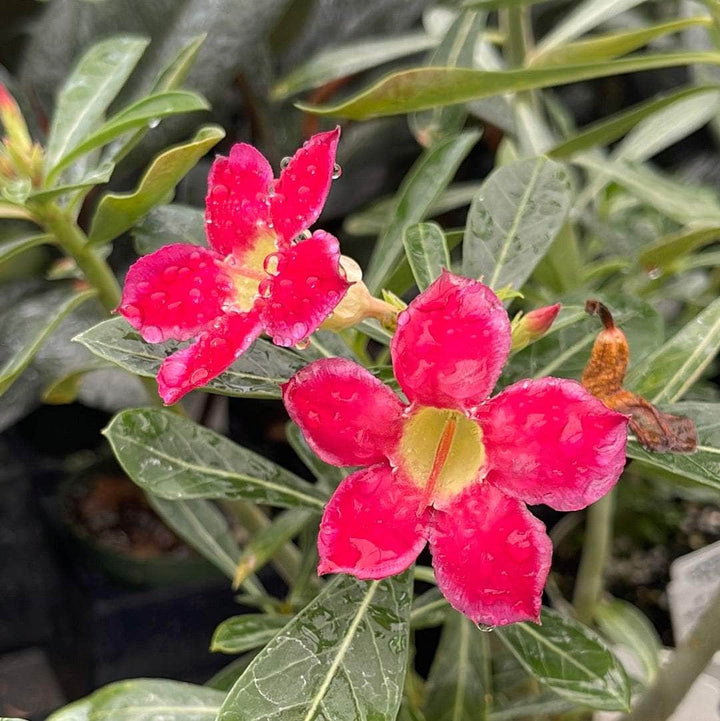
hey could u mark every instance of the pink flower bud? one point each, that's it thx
(533, 326)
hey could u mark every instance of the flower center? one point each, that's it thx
(251, 269)
(440, 451)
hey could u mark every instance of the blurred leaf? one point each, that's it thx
(668, 373)
(26, 325)
(328, 477)
(238, 634)
(429, 609)
(626, 625)
(571, 659)
(13, 246)
(513, 221)
(424, 88)
(350, 59)
(459, 683)
(421, 187)
(344, 657)
(118, 212)
(426, 252)
(456, 50)
(85, 96)
(142, 113)
(607, 130)
(169, 224)
(665, 251)
(97, 176)
(258, 373)
(145, 699)
(173, 458)
(202, 525)
(226, 677)
(66, 387)
(499, 4)
(8, 209)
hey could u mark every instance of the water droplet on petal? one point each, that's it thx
(302, 344)
(270, 264)
(199, 375)
(312, 281)
(152, 334)
(311, 169)
(337, 171)
(484, 627)
(131, 312)
(285, 162)
(195, 294)
(158, 297)
(265, 288)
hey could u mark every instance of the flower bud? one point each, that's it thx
(526, 329)
(18, 137)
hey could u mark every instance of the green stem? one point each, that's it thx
(688, 661)
(515, 26)
(595, 554)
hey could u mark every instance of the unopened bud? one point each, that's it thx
(18, 136)
(526, 329)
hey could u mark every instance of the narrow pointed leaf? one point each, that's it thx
(342, 658)
(19, 244)
(97, 176)
(426, 252)
(166, 224)
(664, 253)
(118, 212)
(499, 4)
(513, 221)
(422, 185)
(87, 93)
(258, 373)
(238, 634)
(429, 609)
(571, 659)
(328, 477)
(12, 210)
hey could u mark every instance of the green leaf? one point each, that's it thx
(499, 4)
(570, 659)
(91, 87)
(8, 209)
(204, 527)
(117, 212)
(514, 219)
(429, 609)
(258, 373)
(28, 324)
(349, 59)
(173, 457)
(145, 699)
(421, 187)
(424, 88)
(238, 634)
(97, 176)
(426, 252)
(624, 624)
(664, 253)
(459, 683)
(139, 114)
(456, 50)
(328, 477)
(703, 466)
(169, 224)
(342, 658)
(610, 129)
(668, 373)
(20, 243)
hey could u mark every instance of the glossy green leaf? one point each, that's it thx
(87, 93)
(145, 699)
(342, 658)
(349, 59)
(624, 624)
(433, 170)
(703, 466)
(26, 325)
(169, 224)
(118, 212)
(665, 375)
(570, 659)
(173, 457)
(204, 527)
(11, 247)
(455, 51)
(258, 373)
(97, 176)
(459, 683)
(149, 110)
(610, 129)
(664, 253)
(426, 252)
(424, 88)
(513, 221)
(238, 634)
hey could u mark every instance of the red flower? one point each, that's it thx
(453, 467)
(254, 277)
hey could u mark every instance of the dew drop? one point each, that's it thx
(199, 375)
(303, 190)
(484, 627)
(219, 192)
(337, 171)
(654, 273)
(152, 334)
(285, 162)
(270, 264)
(195, 294)
(217, 342)
(154, 123)
(312, 281)
(158, 297)
(131, 312)
(311, 169)
(265, 288)
(302, 344)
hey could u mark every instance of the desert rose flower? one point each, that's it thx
(453, 467)
(259, 273)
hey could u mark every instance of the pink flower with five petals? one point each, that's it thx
(255, 276)
(454, 468)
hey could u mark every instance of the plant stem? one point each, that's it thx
(515, 26)
(688, 661)
(595, 554)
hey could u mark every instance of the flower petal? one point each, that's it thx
(451, 343)
(306, 287)
(236, 207)
(550, 441)
(174, 292)
(213, 352)
(304, 184)
(371, 527)
(491, 557)
(348, 416)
